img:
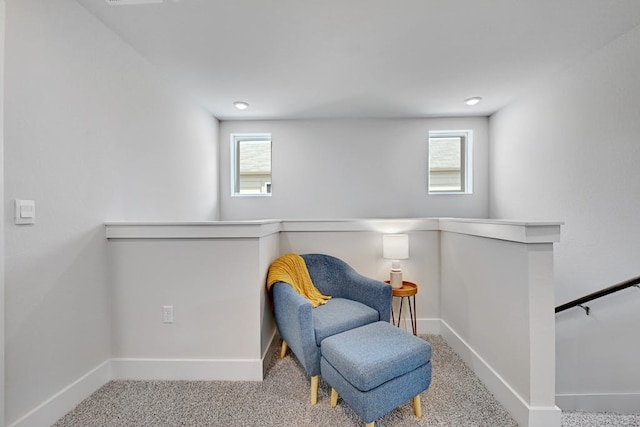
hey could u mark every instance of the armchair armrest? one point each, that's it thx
(295, 324)
(368, 291)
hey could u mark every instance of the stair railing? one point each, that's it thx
(579, 302)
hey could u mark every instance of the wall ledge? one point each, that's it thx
(391, 225)
(516, 231)
(192, 230)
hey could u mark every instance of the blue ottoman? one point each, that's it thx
(376, 368)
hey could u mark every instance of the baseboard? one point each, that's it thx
(64, 401)
(544, 416)
(268, 353)
(623, 403)
(188, 369)
(48, 412)
(429, 326)
(58, 405)
(524, 414)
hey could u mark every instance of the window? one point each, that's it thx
(450, 162)
(251, 165)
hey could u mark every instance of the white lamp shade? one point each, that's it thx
(395, 246)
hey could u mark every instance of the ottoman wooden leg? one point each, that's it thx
(371, 424)
(314, 389)
(417, 408)
(334, 397)
(283, 351)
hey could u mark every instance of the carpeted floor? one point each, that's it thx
(583, 419)
(455, 398)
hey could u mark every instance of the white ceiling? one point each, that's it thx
(363, 58)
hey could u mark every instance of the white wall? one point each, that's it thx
(569, 149)
(92, 133)
(214, 275)
(215, 282)
(269, 251)
(2, 251)
(202, 280)
(487, 286)
(353, 169)
(496, 301)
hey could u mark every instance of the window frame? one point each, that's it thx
(466, 160)
(236, 140)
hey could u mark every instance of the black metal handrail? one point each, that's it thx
(598, 294)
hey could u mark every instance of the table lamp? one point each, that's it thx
(395, 247)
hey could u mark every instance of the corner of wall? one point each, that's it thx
(2, 26)
(217, 211)
(51, 410)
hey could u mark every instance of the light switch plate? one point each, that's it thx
(25, 211)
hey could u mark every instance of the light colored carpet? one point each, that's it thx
(455, 398)
(583, 419)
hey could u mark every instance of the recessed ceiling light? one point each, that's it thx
(241, 105)
(472, 101)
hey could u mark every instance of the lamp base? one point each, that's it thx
(396, 279)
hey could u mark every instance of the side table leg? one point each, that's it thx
(393, 318)
(412, 313)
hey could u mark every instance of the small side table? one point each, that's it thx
(408, 291)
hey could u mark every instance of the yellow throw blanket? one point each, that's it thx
(291, 269)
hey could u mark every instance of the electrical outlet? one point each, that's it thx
(167, 314)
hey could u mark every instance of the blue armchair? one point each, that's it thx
(356, 301)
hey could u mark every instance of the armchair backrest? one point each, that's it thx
(328, 273)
